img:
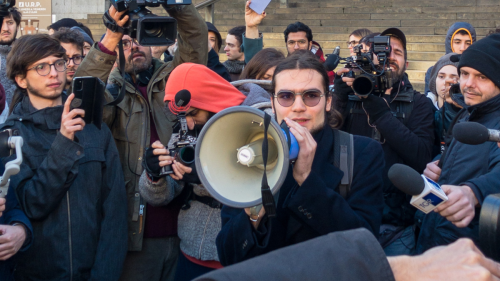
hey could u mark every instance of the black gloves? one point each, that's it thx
(340, 89)
(151, 163)
(375, 107)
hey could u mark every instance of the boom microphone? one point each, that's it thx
(181, 102)
(332, 61)
(427, 195)
(474, 133)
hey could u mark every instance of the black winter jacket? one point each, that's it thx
(313, 209)
(477, 166)
(410, 144)
(73, 193)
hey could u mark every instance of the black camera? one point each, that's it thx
(181, 145)
(370, 78)
(148, 28)
(6, 147)
(5, 5)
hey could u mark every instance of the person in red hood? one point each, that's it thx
(199, 220)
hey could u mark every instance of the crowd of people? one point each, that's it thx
(93, 204)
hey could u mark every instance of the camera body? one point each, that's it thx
(148, 28)
(370, 78)
(6, 147)
(181, 146)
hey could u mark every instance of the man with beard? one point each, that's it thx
(72, 41)
(8, 34)
(402, 121)
(137, 122)
(70, 184)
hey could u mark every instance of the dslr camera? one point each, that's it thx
(148, 28)
(370, 78)
(181, 145)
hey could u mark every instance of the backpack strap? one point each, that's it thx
(343, 155)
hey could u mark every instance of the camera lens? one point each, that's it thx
(363, 85)
(186, 155)
(153, 29)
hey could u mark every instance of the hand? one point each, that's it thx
(252, 19)
(375, 106)
(157, 51)
(111, 39)
(461, 260)
(179, 170)
(156, 157)
(11, 240)
(71, 121)
(307, 145)
(250, 212)
(2, 205)
(346, 80)
(432, 171)
(460, 207)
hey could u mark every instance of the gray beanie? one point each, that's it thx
(442, 62)
(86, 37)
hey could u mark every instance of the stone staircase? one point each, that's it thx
(425, 22)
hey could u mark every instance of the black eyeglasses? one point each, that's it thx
(127, 44)
(43, 69)
(310, 98)
(352, 43)
(76, 60)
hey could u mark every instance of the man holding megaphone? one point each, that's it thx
(309, 203)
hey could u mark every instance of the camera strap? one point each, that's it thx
(121, 95)
(267, 195)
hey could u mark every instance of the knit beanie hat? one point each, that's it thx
(66, 22)
(209, 91)
(86, 37)
(484, 56)
(212, 28)
(442, 62)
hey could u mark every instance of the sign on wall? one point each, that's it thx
(37, 16)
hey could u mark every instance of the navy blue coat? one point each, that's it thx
(477, 166)
(313, 209)
(13, 214)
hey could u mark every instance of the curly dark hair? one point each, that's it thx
(304, 59)
(68, 36)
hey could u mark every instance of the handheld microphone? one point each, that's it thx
(427, 195)
(332, 61)
(474, 133)
(181, 102)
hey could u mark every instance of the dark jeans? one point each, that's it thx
(156, 262)
(187, 271)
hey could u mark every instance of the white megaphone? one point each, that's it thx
(229, 156)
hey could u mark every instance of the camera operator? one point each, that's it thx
(8, 35)
(70, 184)
(469, 172)
(402, 121)
(15, 233)
(136, 123)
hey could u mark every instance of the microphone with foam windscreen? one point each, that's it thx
(332, 61)
(427, 195)
(181, 102)
(474, 133)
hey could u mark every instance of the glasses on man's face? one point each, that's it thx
(127, 44)
(43, 69)
(76, 60)
(310, 98)
(301, 43)
(352, 43)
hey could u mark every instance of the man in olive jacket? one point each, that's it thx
(139, 120)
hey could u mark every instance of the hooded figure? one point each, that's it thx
(448, 43)
(213, 55)
(200, 218)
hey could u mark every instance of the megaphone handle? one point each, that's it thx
(267, 195)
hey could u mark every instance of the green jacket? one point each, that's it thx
(129, 120)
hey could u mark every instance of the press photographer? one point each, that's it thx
(138, 121)
(70, 184)
(398, 117)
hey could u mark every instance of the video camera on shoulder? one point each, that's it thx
(148, 28)
(370, 78)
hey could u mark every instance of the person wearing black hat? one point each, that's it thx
(469, 173)
(66, 22)
(215, 42)
(402, 121)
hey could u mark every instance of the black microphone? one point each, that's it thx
(474, 133)
(426, 194)
(332, 61)
(181, 102)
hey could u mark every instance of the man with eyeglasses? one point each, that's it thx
(138, 121)
(309, 203)
(70, 183)
(402, 120)
(72, 41)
